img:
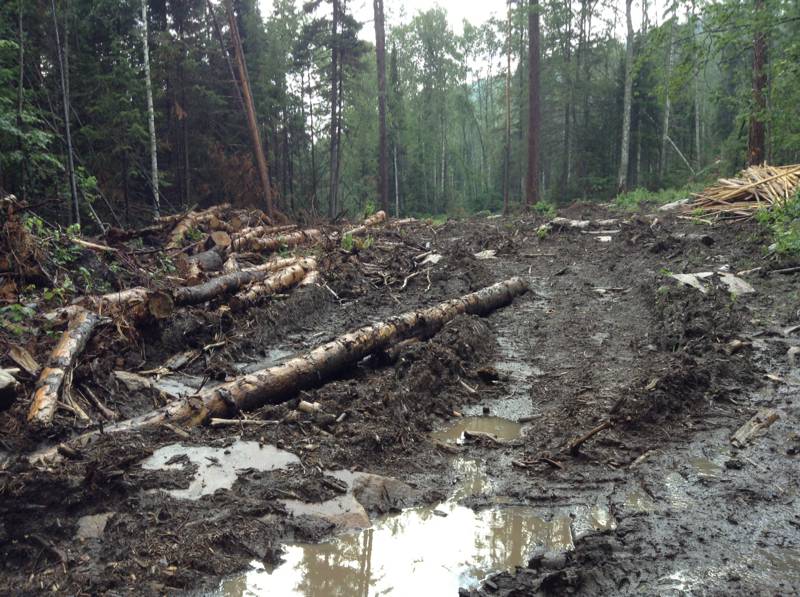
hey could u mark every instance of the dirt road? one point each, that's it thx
(658, 501)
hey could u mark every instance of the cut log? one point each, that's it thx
(270, 244)
(310, 278)
(228, 283)
(375, 219)
(243, 237)
(192, 266)
(192, 220)
(282, 280)
(72, 342)
(754, 427)
(278, 383)
(231, 265)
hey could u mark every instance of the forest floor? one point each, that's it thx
(657, 502)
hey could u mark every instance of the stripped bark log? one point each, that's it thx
(193, 220)
(375, 219)
(271, 244)
(138, 302)
(282, 280)
(72, 342)
(280, 382)
(227, 283)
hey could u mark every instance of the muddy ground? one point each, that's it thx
(604, 335)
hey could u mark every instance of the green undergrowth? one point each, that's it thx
(783, 222)
(632, 200)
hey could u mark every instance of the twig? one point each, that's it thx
(574, 447)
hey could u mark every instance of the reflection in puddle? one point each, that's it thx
(430, 550)
(217, 468)
(705, 468)
(274, 356)
(416, 552)
(639, 501)
(676, 488)
(500, 428)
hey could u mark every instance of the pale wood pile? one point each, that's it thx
(755, 188)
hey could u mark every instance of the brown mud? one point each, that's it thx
(658, 503)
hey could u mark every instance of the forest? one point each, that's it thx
(658, 100)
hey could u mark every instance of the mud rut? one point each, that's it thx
(604, 334)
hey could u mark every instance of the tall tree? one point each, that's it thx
(507, 149)
(244, 81)
(662, 164)
(334, 124)
(534, 110)
(151, 119)
(622, 178)
(62, 68)
(756, 137)
(383, 149)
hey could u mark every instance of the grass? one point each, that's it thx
(783, 223)
(632, 200)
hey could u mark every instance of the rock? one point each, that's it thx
(793, 354)
(9, 389)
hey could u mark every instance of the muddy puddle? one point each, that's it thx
(498, 427)
(428, 550)
(216, 467)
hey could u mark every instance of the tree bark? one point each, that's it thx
(273, 243)
(252, 125)
(228, 283)
(73, 187)
(383, 148)
(72, 342)
(279, 383)
(334, 140)
(282, 280)
(534, 110)
(193, 220)
(662, 165)
(622, 178)
(756, 139)
(151, 123)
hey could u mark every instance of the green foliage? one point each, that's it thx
(12, 317)
(632, 200)
(350, 243)
(545, 208)
(783, 223)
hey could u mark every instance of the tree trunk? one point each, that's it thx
(507, 148)
(756, 139)
(73, 187)
(151, 122)
(279, 383)
(274, 243)
(252, 125)
(280, 281)
(334, 151)
(622, 179)
(662, 165)
(383, 148)
(534, 110)
(72, 342)
(396, 184)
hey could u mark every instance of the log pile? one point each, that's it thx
(755, 188)
(223, 257)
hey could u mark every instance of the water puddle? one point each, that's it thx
(498, 427)
(639, 501)
(706, 468)
(593, 519)
(677, 491)
(217, 468)
(424, 551)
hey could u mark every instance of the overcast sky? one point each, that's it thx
(474, 11)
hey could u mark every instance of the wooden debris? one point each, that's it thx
(227, 283)
(275, 384)
(759, 423)
(755, 188)
(282, 280)
(72, 342)
(194, 220)
(375, 219)
(575, 446)
(24, 359)
(270, 244)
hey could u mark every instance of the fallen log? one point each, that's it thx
(193, 220)
(191, 267)
(72, 342)
(282, 280)
(270, 244)
(377, 218)
(280, 382)
(243, 237)
(227, 283)
(137, 302)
